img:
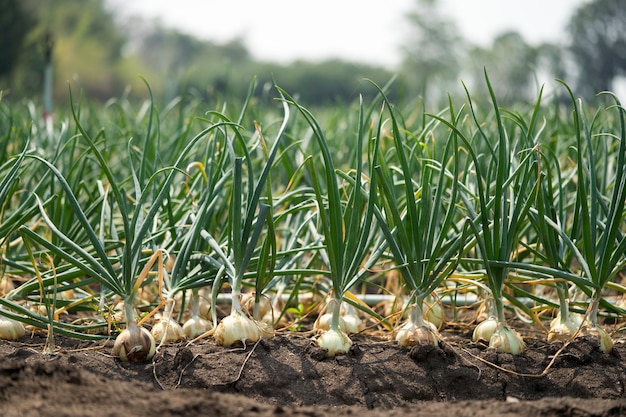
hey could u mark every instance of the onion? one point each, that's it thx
(417, 331)
(605, 339)
(434, 312)
(335, 342)
(135, 344)
(606, 342)
(323, 322)
(237, 328)
(167, 329)
(349, 321)
(195, 325)
(592, 328)
(333, 337)
(485, 329)
(563, 329)
(352, 321)
(507, 340)
(11, 329)
(264, 311)
(413, 335)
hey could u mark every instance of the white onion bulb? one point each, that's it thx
(561, 330)
(135, 344)
(335, 342)
(507, 340)
(605, 339)
(323, 322)
(411, 334)
(434, 312)
(352, 321)
(485, 329)
(196, 326)
(11, 329)
(238, 328)
(417, 331)
(167, 330)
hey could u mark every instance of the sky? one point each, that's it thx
(366, 31)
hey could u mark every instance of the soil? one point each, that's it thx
(288, 375)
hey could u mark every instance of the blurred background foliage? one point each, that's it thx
(103, 55)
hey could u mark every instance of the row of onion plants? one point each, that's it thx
(143, 224)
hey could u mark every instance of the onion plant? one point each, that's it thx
(503, 180)
(420, 233)
(123, 275)
(246, 221)
(551, 245)
(347, 226)
(9, 327)
(200, 201)
(597, 217)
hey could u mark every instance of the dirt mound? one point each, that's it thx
(289, 376)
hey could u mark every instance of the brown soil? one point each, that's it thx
(289, 376)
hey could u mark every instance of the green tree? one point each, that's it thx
(15, 23)
(87, 48)
(510, 63)
(598, 44)
(551, 59)
(433, 50)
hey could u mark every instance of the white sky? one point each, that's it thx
(368, 31)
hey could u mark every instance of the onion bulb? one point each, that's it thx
(195, 326)
(592, 328)
(485, 329)
(335, 342)
(352, 321)
(606, 342)
(323, 322)
(167, 330)
(507, 340)
(333, 335)
(417, 331)
(238, 328)
(348, 320)
(264, 311)
(135, 344)
(433, 312)
(11, 329)
(563, 329)
(413, 335)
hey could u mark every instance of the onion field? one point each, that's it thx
(233, 222)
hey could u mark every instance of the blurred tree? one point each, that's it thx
(87, 48)
(510, 63)
(433, 50)
(183, 61)
(169, 53)
(551, 59)
(598, 44)
(317, 83)
(103, 53)
(15, 23)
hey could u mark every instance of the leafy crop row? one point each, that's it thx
(121, 218)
